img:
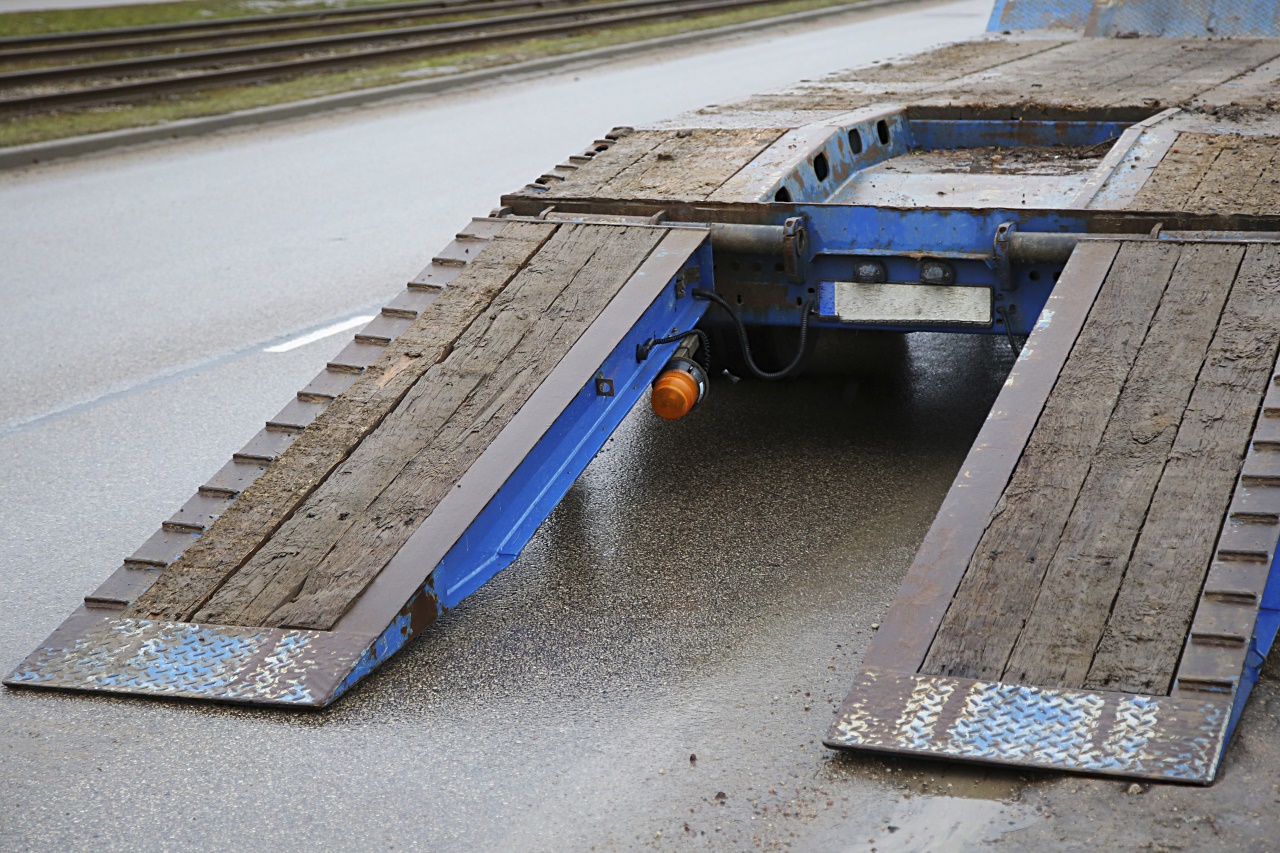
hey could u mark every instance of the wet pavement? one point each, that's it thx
(658, 667)
(656, 671)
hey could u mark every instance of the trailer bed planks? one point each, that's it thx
(1060, 628)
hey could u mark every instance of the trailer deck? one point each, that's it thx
(1094, 594)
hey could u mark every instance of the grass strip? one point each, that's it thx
(14, 24)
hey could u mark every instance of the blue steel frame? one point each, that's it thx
(1264, 634)
(1039, 15)
(496, 537)
(871, 136)
(901, 238)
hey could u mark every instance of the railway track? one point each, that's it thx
(162, 37)
(164, 67)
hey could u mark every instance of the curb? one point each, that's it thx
(76, 146)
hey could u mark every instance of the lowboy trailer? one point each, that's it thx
(1097, 182)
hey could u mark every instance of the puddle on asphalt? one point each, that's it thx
(958, 780)
(939, 805)
(947, 823)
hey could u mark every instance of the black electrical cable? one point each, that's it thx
(1008, 332)
(714, 297)
(705, 360)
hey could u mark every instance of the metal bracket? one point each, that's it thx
(795, 248)
(604, 387)
(686, 277)
(1000, 252)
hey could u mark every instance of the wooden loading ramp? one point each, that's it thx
(1091, 589)
(409, 489)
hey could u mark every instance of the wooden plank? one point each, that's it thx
(1147, 627)
(1181, 171)
(1000, 585)
(536, 422)
(1056, 646)
(1229, 186)
(690, 164)
(832, 98)
(262, 507)
(951, 61)
(1091, 74)
(1227, 60)
(589, 177)
(1255, 89)
(1069, 75)
(355, 523)
(909, 627)
(1241, 180)
(1032, 78)
(1173, 71)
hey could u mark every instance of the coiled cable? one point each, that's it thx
(712, 296)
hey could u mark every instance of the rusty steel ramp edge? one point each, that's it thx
(1181, 737)
(476, 531)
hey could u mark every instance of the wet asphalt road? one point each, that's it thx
(681, 628)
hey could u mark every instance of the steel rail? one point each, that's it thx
(192, 59)
(162, 41)
(128, 91)
(250, 20)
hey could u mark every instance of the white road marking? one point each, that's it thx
(320, 334)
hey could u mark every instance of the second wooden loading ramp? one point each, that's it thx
(1087, 596)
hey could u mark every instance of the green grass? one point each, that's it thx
(21, 130)
(143, 14)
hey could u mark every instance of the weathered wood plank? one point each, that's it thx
(592, 273)
(1182, 170)
(690, 164)
(1056, 646)
(1241, 180)
(272, 498)
(909, 627)
(588, 178)
(1000, 585)
(950, 62)
(1147, 627)
(1070, 75)
(1215, 173)
(1255, 89)
(1030, 77)
(1232, 173)
(1170, 73)
(1227, 60)
(355, 523)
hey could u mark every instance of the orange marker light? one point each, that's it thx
(674, 394)
(682, 382)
